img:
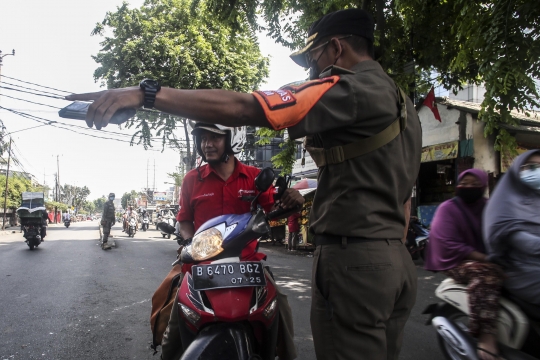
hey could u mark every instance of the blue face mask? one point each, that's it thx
(111, 198)
(531, 178)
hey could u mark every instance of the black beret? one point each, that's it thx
(347, 22)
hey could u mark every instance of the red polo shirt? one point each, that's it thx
(203, 200)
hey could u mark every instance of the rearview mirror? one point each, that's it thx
(264, 179)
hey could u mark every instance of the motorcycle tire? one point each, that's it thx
(460, 319)
(31, 246)
(169, 236)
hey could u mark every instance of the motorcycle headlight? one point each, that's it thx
(206, 244)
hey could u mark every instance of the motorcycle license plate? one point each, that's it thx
(228, 275)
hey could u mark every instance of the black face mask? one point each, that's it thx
(469, 194)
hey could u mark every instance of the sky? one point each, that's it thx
(53, 48)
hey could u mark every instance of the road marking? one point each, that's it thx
(127, 306)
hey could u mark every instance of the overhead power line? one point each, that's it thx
(59, 97)
(66, 126)
(30, 83)
(27, 88)
(31, 102)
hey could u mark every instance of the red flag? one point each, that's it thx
(430, 103)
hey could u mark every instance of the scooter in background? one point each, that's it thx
(518, 327)
(417, 238)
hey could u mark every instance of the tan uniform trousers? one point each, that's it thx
(362, 296)
(171, 346)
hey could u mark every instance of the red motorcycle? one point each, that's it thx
(227, 304)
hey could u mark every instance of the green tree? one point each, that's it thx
(128, 198)
(180, 44)
(74, 195)
(89, 206)
(98, 203)
(495, 42)
(52, 205)
(16, 186)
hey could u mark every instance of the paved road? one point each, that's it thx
(69, 299)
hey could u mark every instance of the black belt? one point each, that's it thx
(344, 240)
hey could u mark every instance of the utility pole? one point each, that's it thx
(154, 187)
(5, 194)
(57, 187)
(1, 58)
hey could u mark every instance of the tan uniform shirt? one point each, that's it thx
(363, 196)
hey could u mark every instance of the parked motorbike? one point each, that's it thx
(67, 223)
(417, 238)
(132, 226)
(518, 325)
(228, 306)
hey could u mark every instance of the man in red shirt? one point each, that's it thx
(224, 186)
(294, 229)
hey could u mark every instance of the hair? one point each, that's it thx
(359, 44)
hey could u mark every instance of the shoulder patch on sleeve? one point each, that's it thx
(287, 107)
(277, 99)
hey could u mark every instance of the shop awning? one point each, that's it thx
(440, 152)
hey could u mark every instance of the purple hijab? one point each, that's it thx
(456, 229)
(512, 207)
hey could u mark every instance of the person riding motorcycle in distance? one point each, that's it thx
(216, 189)
(144, 215)
(107, 220)
(129, 213)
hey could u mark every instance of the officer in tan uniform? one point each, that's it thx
(366, 139)
(108, 220)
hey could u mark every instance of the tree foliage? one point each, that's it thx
(99, 203)
(182, 46)
(89, 206)
(53, 205)
(284, 160)
(16, 186)
(128, 199)
(495, 42)
(75, 196)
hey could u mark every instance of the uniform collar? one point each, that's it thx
(366, 65)
(239, 168)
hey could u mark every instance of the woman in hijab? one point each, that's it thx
(512, 227)
(457, 249)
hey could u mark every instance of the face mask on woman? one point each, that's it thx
(469, 194)
(531, 178)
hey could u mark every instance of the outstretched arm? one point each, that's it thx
(212, 106)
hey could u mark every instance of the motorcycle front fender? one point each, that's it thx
(220, 341)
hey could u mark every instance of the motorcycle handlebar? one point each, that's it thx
(283, 213)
